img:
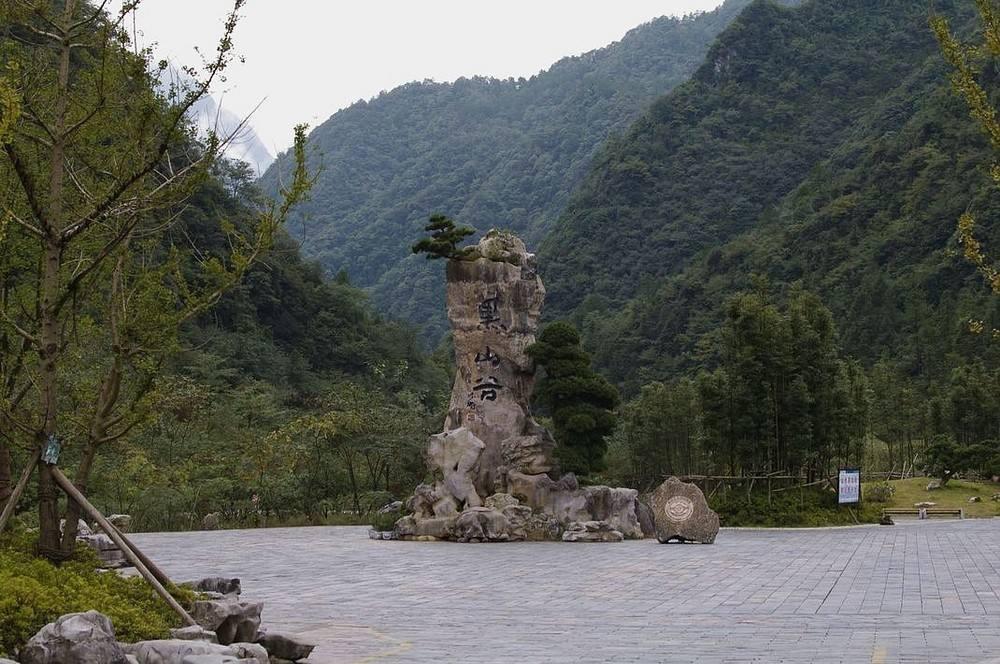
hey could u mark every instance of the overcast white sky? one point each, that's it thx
(306, 59)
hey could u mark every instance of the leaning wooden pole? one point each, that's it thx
(8, 509)
(112, 532)
(153, 568)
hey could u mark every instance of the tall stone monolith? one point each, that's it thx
(494, 473)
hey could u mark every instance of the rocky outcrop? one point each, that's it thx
(76, 638)
(122, 522)
(194, 633)
(455, 455)
(174, 651)
(284, 646)
(591, 531)
(682, 514)
(215, 584)
(493, 466)
(231, 620)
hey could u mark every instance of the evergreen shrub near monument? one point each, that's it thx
(580, 401)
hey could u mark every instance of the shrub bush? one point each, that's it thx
(810, 507)
(36, 592)
(879, 492)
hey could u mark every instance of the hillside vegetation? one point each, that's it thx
(488, 152)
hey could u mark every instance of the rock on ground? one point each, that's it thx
(194, 633)
(231, 620)
(591, 531)
(682, 513)
(215, 584)
(76, 638)
(284, 646)
(172, 651)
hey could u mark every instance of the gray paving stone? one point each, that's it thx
(917, 592)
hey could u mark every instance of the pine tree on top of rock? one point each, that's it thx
(444, 239)
(580, 401)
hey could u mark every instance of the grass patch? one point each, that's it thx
(954, 495)
(34, 592)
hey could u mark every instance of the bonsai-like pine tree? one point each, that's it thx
(580, 400)
(444, 239)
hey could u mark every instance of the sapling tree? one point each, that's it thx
(98, 158)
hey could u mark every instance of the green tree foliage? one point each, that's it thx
(151, 264)
(781, 398)
(499, 153)
(660, 434)
(580, 401)
(968, 62)
(444, 240)
(854, 214)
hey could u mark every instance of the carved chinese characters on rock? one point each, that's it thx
(489, 314)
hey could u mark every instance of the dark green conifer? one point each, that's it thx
(444, 239)
(580, 401)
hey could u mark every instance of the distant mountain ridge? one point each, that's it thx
(489, 152)
(820, 145)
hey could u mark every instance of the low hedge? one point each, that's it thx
(809, 508)
(34, 592)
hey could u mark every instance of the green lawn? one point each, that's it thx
(954, 495)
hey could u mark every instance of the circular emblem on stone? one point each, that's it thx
(679, 509)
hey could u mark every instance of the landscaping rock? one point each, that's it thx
(231, 620)
(975, 499)
(996, 497)
(7, 661)
(439, 528)
(211, 521)
(455, 455)
(285, 646)
(215, 584)
(591, 531)
(109, 553)
(76, 638)
(122, 522)
(172, 651)
(682, 513)
(252, 652)
(82, 527)
(924, 504)
(194, 633)
(481, 524)
(934, 485)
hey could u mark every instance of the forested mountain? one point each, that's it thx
(491, 153)
(820, 144)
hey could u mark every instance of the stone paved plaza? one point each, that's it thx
(915, 592)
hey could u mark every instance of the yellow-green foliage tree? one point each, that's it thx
(97, 159)
(967, 61)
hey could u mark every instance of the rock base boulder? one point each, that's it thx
(682, 514)
(76, 638)
(591, 531)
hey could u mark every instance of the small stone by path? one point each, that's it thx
(915, 592)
